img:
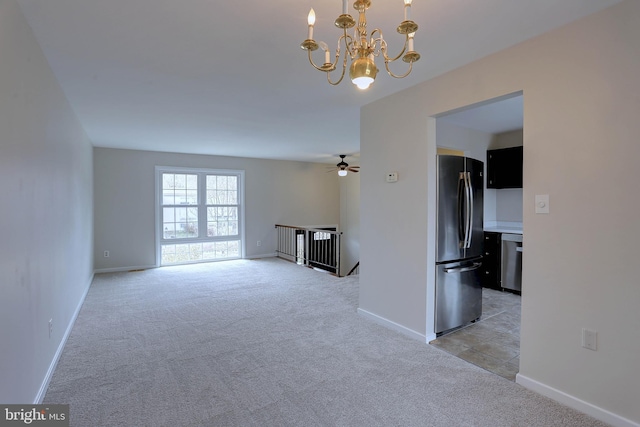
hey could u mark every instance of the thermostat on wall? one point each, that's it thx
(392, 177)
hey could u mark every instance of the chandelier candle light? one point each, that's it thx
(361, 49)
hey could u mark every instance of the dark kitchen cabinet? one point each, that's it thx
(504, 168)
(491, 260)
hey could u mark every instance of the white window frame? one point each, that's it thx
(202, 216)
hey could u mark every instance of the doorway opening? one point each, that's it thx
(492, 341)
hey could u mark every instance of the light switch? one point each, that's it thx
(542, 203)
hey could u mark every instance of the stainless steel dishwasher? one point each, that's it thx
(511, 268)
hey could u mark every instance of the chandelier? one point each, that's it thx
(361, 48)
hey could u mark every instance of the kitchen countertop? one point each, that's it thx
(511, 228)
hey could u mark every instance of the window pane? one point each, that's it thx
(192, 214)
(168, 215)
(168, 197)
(232, 197)
(211, 197)
(181, 214)
(233, 248)
(208, 251)
(195, 252)
(167, 180)
(221, 182)
(222, 189)
(191, 197)
(223, 229)
(232, 183)
(168, 254)
(221, 249)
(177, 254)
(182, 253)
(181, 197)
(180, 182)
(192, 182)
(169, 231)
(222, 221)
(179, 189)
(179, 218)
(180, 223)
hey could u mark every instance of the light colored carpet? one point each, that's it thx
(267, 343)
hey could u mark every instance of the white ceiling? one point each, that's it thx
(229, 78)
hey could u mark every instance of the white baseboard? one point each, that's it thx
(392, 325)
(56, 357)
(575, 403)
(431, 337)
(119, 269)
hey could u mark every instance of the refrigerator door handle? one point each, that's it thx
(475, 266)
(470, 210)
(467, 210)
(462, 220)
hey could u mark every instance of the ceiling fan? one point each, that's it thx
(343, 167)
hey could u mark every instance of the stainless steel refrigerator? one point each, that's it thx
(459, 240)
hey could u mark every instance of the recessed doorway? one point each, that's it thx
(492, 342)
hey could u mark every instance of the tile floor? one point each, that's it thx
(493, 342)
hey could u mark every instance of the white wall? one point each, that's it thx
(276, 192)
(581, 92)
(350, 221)
(46, 216)
(393, 220)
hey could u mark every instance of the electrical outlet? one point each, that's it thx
(259, 243)
(50, 327)
(106, 254)
(589, 339)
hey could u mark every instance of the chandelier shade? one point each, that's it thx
(361, 48)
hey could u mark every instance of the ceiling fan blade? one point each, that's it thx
(353, 169)
(332, 170)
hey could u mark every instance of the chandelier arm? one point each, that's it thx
(344, 37)
(312, 63)
(386, 65)
(377, 43)
(348, 40)
(339, 80)
(404, 48)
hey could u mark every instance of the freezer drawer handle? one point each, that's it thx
(475, 266)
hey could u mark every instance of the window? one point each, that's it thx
(199, 215)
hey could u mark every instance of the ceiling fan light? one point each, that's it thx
(342, 172)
